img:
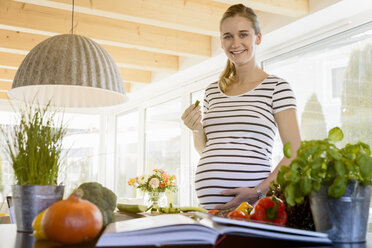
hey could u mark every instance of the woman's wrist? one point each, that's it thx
(260, 195)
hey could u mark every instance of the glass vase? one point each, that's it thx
(155, 199)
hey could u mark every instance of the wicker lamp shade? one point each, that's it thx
(70, 71)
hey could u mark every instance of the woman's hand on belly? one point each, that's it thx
(241, 195)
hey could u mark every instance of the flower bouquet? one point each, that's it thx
(154, 184)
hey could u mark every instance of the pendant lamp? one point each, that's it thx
(70, 71)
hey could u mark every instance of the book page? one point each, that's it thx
(260, 233)
(167, 229)
(148, 222)
(268, 227)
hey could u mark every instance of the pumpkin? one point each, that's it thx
(73, 220)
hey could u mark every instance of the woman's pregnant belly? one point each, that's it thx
(222, 171)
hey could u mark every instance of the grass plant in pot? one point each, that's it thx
(34, 148)
(337, 181)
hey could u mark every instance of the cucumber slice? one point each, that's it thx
(193, 209)
(131, 208)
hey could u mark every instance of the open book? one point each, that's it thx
(177, 229)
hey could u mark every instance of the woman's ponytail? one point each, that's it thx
(228, 76)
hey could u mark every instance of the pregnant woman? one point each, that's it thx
(242, 112)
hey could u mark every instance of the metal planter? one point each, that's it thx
(30, 200)
(345, 219)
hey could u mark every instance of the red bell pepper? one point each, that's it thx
(236, 215)
(270, 209)
(214, 212)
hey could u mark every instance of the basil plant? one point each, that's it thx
(321, 162)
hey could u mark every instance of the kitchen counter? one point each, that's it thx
(10, 238)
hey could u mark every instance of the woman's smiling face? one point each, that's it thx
(239, 40)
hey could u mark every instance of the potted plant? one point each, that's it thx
(337, 181)
(34, 149)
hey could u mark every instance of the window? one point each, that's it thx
(127, 135)
(337, 79)
(338, 67)
(7, 121)
(82, 144)
(163, 140)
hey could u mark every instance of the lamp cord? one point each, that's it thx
(73, 11)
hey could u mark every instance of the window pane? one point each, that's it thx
(126, 153)
(333, 85)
(82, 144)
(163, 140)
(7, 121)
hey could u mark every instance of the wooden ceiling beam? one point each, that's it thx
(11, 59)
(292, 8)
(139, 59)
(14, 39)
(121, 33)
(5, 85)
(7, 74)
(191, 16)
(124, 57)
(135, 76)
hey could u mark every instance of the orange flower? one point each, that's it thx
(166, 181)
(165, 176)
(161, 185)
(131, 181)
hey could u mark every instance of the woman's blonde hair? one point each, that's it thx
(228, 76)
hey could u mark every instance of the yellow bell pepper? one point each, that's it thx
(246, 208)
(36, 225)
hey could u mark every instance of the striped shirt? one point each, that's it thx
(240, 134)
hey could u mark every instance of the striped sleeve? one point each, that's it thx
(209, 91)
(283, 97)
(205, 103)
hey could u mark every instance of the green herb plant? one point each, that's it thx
(321, 162)
(34, 146)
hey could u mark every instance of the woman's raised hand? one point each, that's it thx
(192, 118)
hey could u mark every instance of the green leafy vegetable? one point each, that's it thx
(287, 150)
(321, 162)
(102, 197)
(335, 134)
